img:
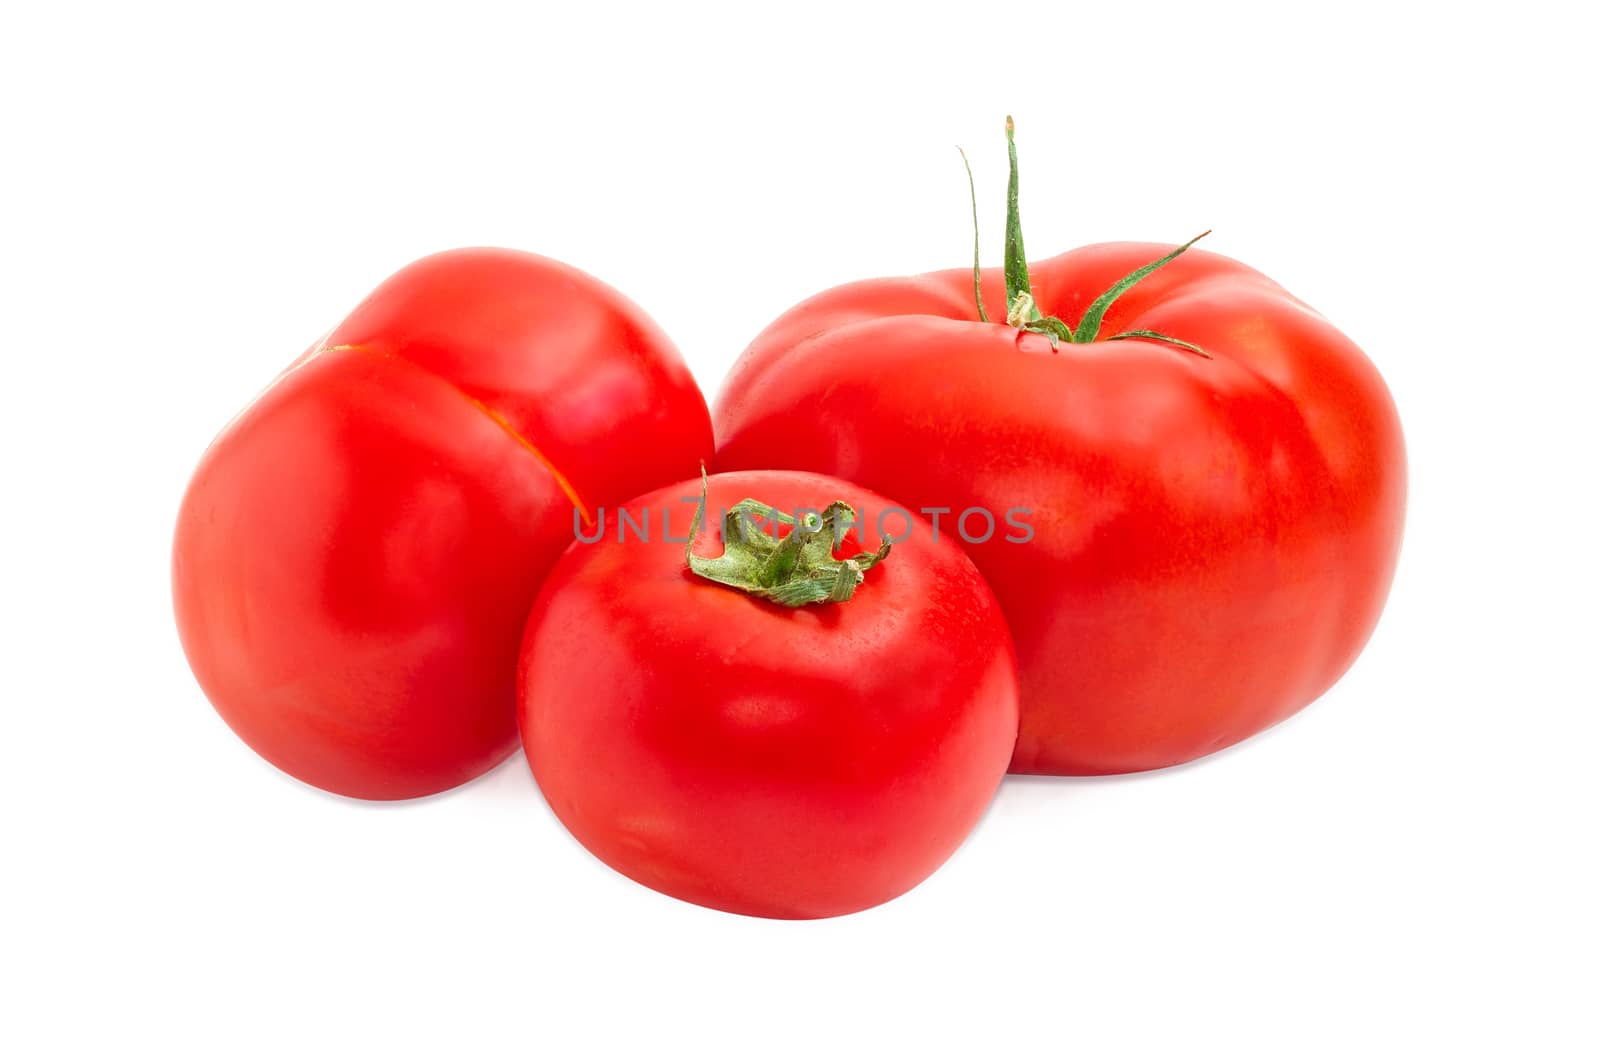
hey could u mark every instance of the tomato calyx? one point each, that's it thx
(1022, 313)
(793, 571)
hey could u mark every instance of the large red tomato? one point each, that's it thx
(357, 551)
(1212, 537)
(779, 729)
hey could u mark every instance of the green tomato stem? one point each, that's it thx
(793, 571)
(1020, 308)
(1022, 311)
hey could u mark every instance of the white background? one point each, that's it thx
(193, 194)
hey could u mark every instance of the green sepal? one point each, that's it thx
(1053, 329)
(977, 271)
(1089, 325)
(1160, 338)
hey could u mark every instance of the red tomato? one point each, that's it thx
(357, 550)
(1213, 538)
(758, 758)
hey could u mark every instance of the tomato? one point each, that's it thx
(804, 760)
(1213, 474)
(357, 551)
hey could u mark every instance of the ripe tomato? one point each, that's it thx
(358, 549)
(1214, 537)
(781, 761)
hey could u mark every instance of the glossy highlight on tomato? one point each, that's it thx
(357, 551)
(781, 761)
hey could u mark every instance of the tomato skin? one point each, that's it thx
(1214, 538)
(570, 363)
(356, 552)
(778, 762)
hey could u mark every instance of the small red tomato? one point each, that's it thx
(787, 729)
(357, 550)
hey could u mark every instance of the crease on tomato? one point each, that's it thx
(495, 417)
